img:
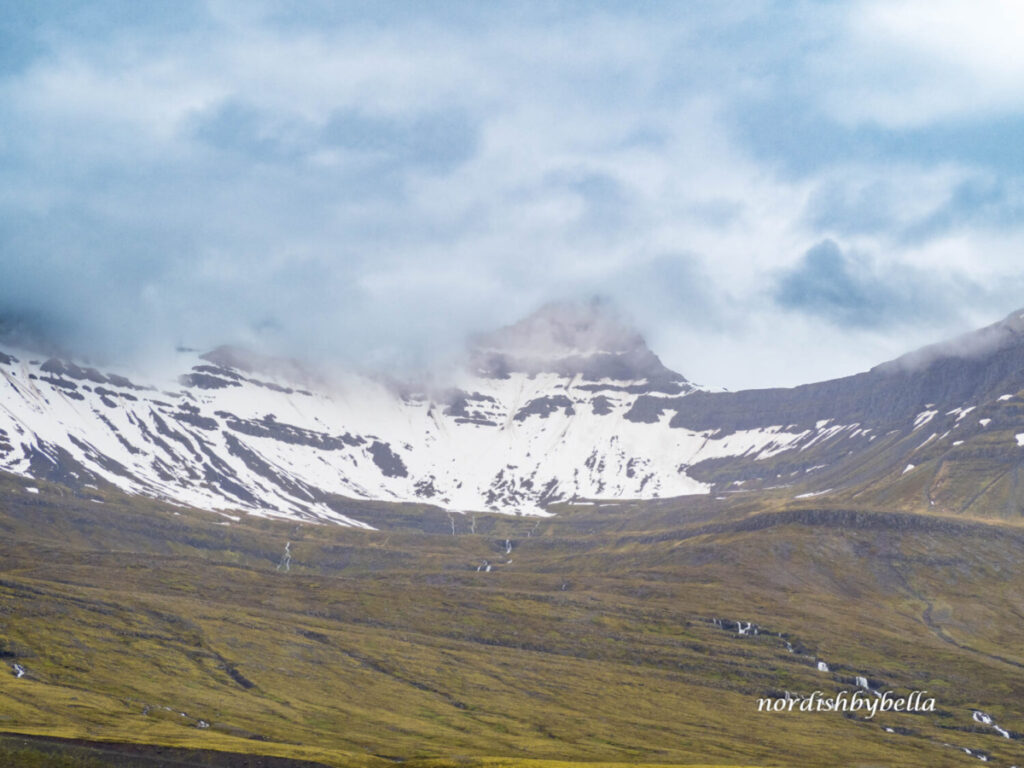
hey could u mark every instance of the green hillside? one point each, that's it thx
(593, 640)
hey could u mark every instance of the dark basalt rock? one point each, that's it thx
(120, 438)
(69, 386)
(271, 386)
(258, 466)
(648, 409)
(425, 489)
(195, 420)
(104, 461)
(465, 408)
(156, 440)
(110, 394)
(72, 371)
(460, 405)
(478, 422)
(205, 381)
(662, 386)
(268, 426)
(458, 402)
(166, 431)
(389, 462)
(228, 484)
(217, 371)
(544, 407)
(120, 381)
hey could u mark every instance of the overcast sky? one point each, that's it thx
(778, 192)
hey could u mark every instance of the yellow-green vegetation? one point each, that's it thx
(592, 641)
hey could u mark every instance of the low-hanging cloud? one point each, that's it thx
(372, 184)
(851, 291)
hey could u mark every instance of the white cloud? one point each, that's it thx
(599, 157)
(910, 62)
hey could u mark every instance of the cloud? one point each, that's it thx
(793, 133)
(850, 291)
(940, 59)
(978, 203)
(347, 141)
(370, 183)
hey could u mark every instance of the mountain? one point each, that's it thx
(565, 405)
(138, 626)
(939, 429)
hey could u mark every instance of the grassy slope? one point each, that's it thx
(593, 644)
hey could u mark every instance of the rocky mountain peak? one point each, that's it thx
(588, 338)
(561, 329)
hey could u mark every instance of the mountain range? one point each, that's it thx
(562, 554)
(568, 404)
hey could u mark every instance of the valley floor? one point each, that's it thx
(609, 633)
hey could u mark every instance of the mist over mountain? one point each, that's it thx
(566, 404)
(254, 184)
(592, 339)
(538, 384)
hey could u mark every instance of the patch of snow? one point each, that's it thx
(812, 494)
(985, 719)
(984, 422)
(1005, 397)
(960, 412)
(923, 418)
(822, 666)
(909, 468)
(31, 490)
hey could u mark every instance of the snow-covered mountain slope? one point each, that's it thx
(538, 416)
(567, 404)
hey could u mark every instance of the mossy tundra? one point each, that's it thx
(593, 640)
